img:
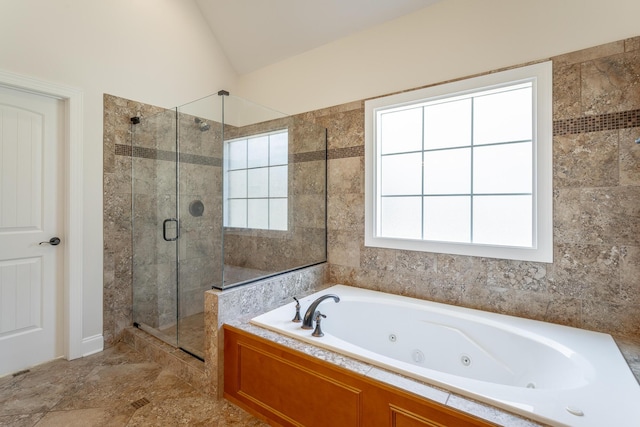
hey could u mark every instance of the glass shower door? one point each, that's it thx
(200, 213)
(177, 220)
(155, 225)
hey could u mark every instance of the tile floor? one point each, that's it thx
(117, 387)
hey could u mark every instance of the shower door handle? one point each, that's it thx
(164, 230)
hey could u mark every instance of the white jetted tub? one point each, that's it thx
(550, 373)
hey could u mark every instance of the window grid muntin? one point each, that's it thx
(422, 219)
(471, 228)
(247, 169)
(473, 94)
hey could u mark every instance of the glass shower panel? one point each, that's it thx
(153, 170)
(200, 214)
(274, 196)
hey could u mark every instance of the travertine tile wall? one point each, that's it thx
(594, 281)
(152, 199)
(150, 166)
(117, 294)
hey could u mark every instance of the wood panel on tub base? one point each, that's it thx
(288, 388)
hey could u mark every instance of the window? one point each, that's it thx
(463, 168)
(255, 177)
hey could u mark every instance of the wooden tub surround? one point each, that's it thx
(285, 387)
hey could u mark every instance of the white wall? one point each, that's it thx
(160, 52)
(451, 39)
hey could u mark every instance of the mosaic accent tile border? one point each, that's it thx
(585, 124)
(200, 160)
(310, 156)
(342, 153)
(123, 150)
(154, 154)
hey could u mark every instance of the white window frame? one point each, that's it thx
(542, 249)
(247, 198)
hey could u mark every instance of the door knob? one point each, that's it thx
(54, 241)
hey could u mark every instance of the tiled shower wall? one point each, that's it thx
(117, 294)
(154, 174)
(594, 281)
(150, 167)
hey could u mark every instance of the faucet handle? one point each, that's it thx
(297, 317)
(318, 331)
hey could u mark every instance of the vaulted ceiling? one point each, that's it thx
(256, 33)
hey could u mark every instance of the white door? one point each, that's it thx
(31, 187)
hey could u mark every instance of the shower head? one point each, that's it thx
(204, 126)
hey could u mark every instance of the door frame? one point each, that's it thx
(72, 203)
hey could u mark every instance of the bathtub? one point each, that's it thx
(549, 373)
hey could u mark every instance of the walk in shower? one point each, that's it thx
(225, 192)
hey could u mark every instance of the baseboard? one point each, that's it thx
(91, 345)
